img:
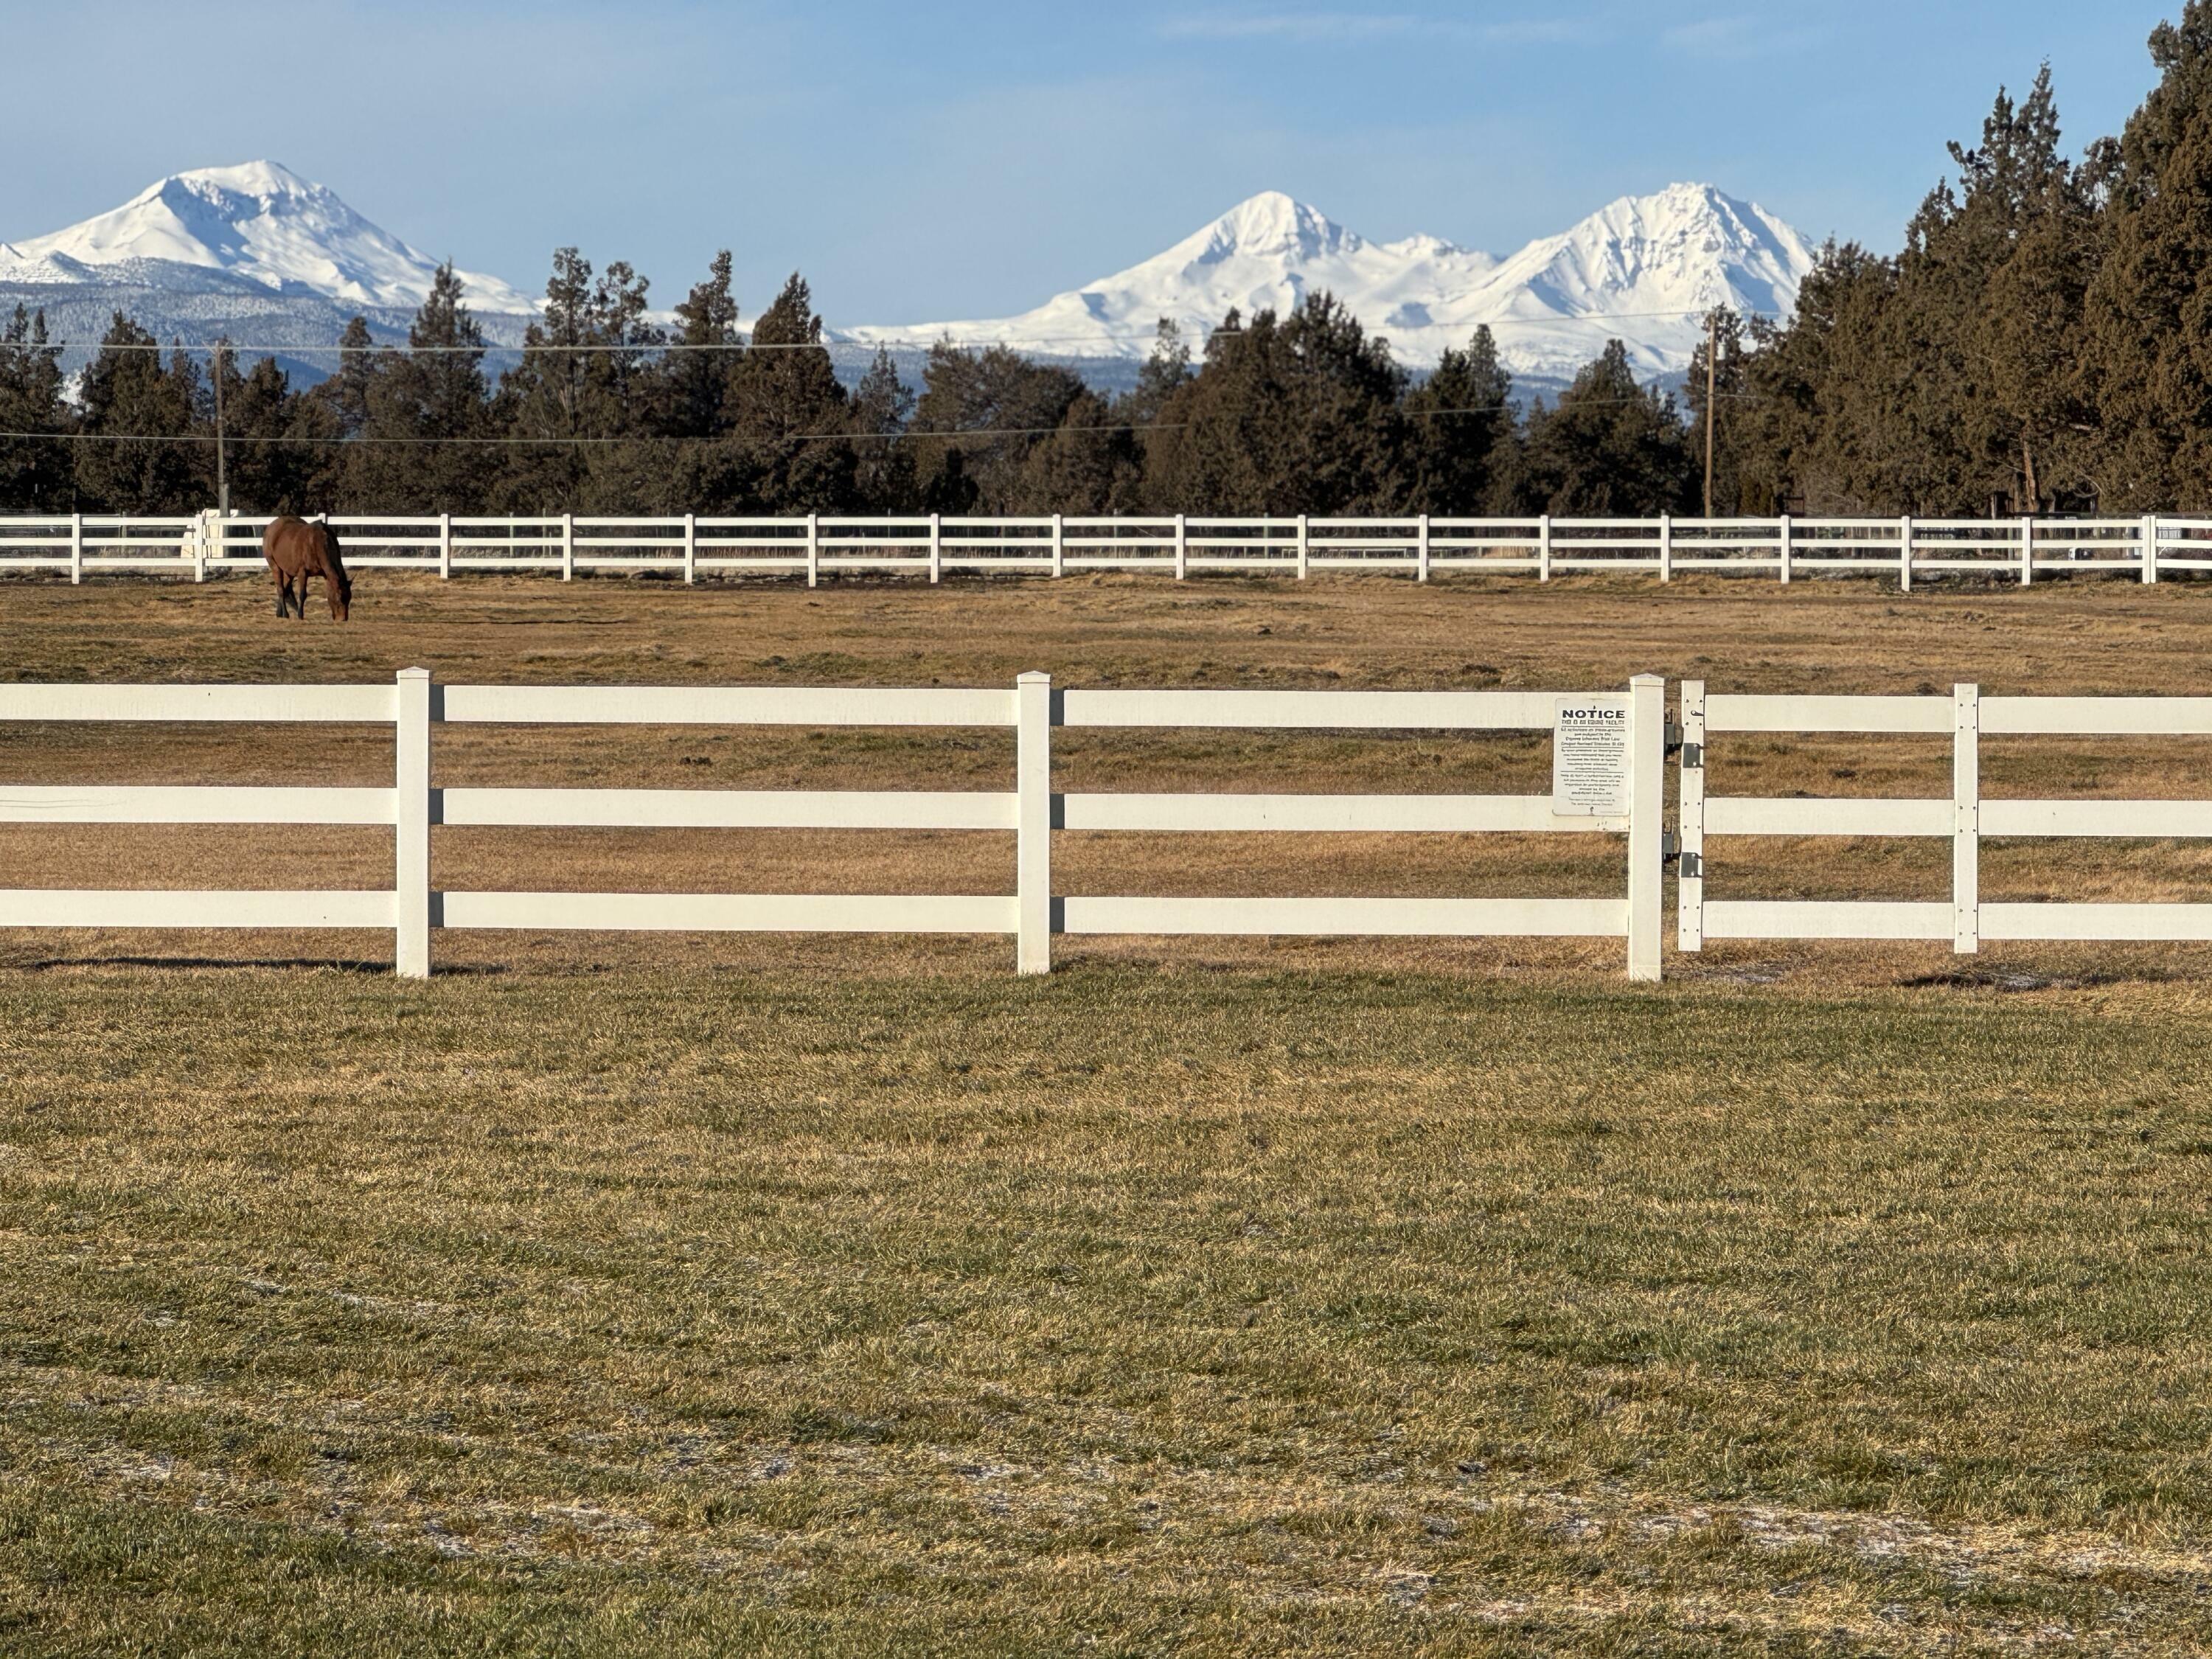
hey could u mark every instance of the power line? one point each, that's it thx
(1197, 331)
(978, 432)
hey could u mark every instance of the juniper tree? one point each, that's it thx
(35, 472)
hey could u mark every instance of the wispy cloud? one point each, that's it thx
(1739, 37)
(1296, 28)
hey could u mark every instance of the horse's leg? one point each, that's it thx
(277, 577)
(300, 599)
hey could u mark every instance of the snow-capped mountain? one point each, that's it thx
(259, 223)
(1643, 270)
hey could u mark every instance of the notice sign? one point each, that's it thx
(1589, 757)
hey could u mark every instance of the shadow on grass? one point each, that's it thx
(333, 964)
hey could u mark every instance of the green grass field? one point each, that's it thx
(1142, 1309)
(717, 1294)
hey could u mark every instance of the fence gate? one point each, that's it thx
(1965, 717)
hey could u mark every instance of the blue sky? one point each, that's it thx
(923, 162)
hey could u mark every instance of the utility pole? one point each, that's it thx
(221, 472)
(1712, 408)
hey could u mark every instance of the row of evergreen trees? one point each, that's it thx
(1301, 413)
(2043, 342)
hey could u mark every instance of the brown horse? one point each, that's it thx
(297, 550)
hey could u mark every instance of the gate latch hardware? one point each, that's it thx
(1694, 754)
(1693, 868)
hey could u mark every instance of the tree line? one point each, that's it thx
(2043, 342)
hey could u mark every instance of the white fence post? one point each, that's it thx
(1785, 553)
(1058, 547)
(1183, 550)
(1544, 548)
(77, 549)
(444, 547)
(690, 549)
(1905, 554)
(1303, 549)
(210, 525)
(1966, 820)
(1690, 874)
(813, 551)
(936, 548)
(2027, 552)
(567, 547)
(411, 799)
(1666, 548)
(1424, 559)
(1647, 803)
(1033, 822)
(2149, 548)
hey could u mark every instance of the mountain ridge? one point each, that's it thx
(1642, 268)
(208, 254)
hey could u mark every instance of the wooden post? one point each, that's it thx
(1544, 548)
(2149, 548)
(1905, 554)
(1183, 550)
(1423, 560)
(411, 817)
(1690, 874)
(567, 547)
(690, 549)
(1647, 804)
(1058, 547)
(1303, 547)
(77, 549)
(813, 551)
(936, 548)
(1666, 548)
(1966, 820)
(2027, 552)
(444, 547)
(1786, 550)
(1033, 822)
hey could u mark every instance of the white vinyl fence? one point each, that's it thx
(413, 907)
(1963, 817)
(688, 547)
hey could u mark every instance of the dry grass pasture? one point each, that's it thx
(704, 1295)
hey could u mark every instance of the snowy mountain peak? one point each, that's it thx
(1272, 225)
(1645, 268)
(258, 220)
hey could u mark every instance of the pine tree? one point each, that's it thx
(791, 411)
(992, 408)
(1462, 430)
(150, 415)
(1608, 448)
(1302, 416)
(883, 407)
(2147, 353)
(36, 474)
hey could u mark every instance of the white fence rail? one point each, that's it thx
(688, 547)
(413, 907)
(1963, 817)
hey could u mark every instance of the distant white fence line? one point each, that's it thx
(688, 546)
(413, 907)
(1963, 818)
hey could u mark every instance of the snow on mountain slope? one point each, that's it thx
(259, 223)
(1643, 269)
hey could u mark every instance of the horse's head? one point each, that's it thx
(340, 594)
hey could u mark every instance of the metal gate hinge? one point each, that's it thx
(1693, 755)
(1693, 868)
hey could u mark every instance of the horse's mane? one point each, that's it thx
(337, 560)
